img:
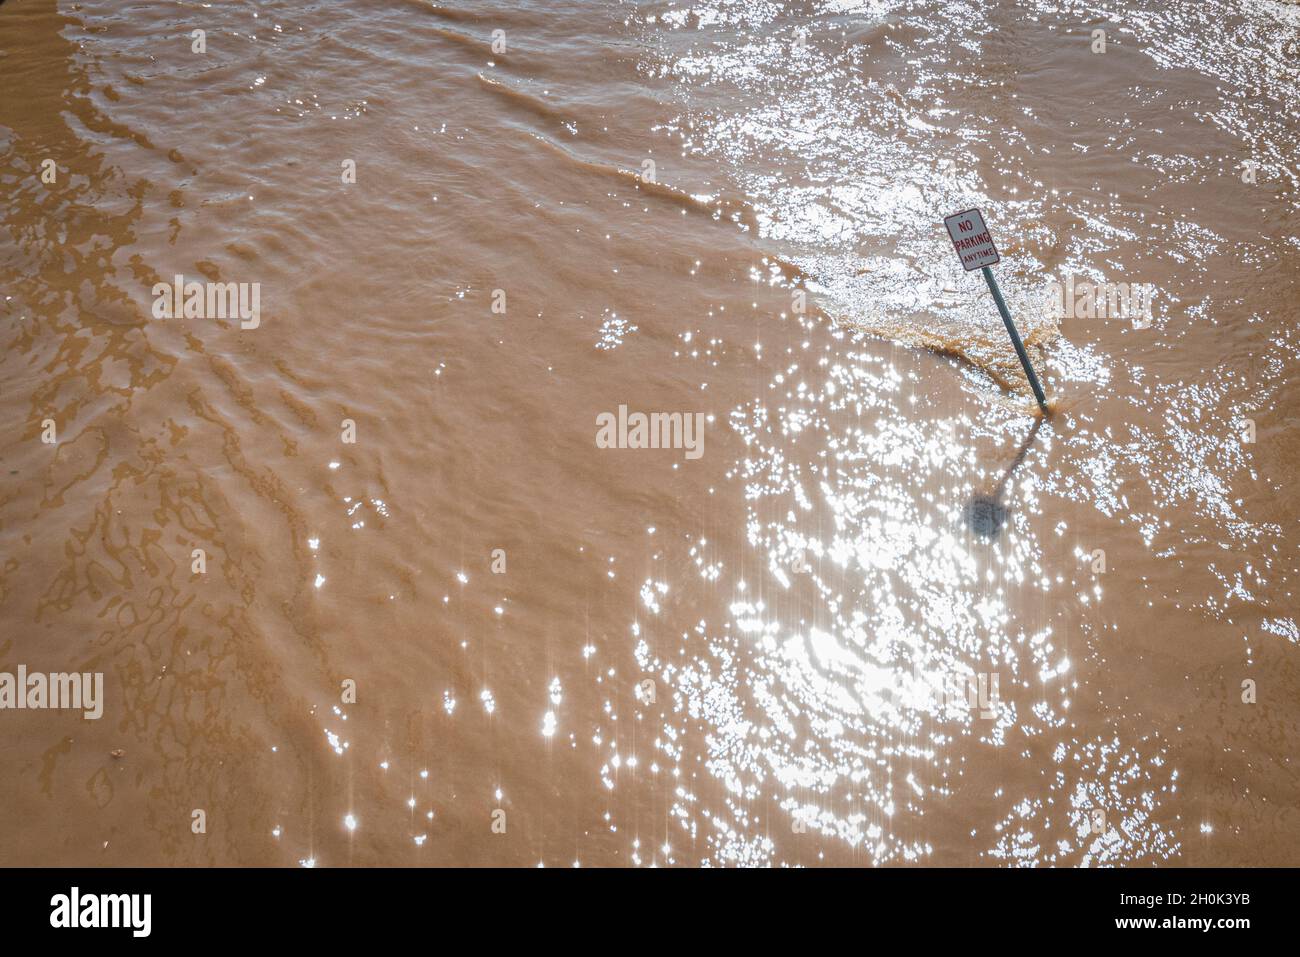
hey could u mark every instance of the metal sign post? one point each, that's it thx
(974, 245)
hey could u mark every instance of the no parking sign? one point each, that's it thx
(975, 249)
(971, 239)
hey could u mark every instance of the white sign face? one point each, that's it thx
(971, 239)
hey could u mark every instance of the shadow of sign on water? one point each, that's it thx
(985, 514)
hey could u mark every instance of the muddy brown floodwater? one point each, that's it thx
(366, 584)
